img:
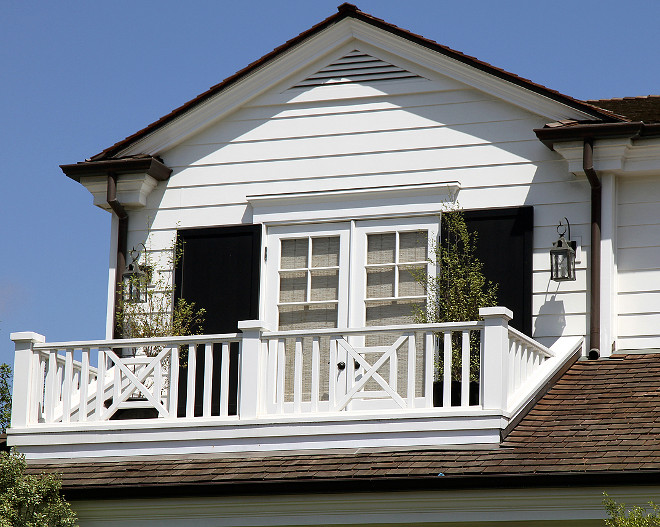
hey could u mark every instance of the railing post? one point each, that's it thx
(249, 373)
(23, 392)
(495, 360)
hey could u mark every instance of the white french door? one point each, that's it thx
(348, 274)
(344, 275)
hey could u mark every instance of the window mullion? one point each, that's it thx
(396, 264)
(309, 267)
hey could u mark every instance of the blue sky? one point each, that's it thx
(78, 76)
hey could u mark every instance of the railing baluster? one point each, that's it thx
(446, 370)
(84, 385)
(465, 368)
(297, 376)
(271, 375)
(224, 380)
(67, 388)
(412, 363)
(394, 371)
(51, 379)
(192, 370)
(116, 386)
(281, 366)
(173, 389)
(332, 374)
(316, 374)
(208, 378)
(158, 381)
(100, 385)
(429, 368)
(36, 398)
(512, 354)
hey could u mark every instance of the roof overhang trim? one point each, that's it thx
(150, 165)
(320, 40)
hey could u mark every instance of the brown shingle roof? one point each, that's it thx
(602, 417)
(645, 108)
(347, 10)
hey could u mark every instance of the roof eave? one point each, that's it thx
(150, 165)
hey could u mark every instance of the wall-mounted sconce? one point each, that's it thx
(134, 279)
(562, 255)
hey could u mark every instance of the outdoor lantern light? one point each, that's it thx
(134, 280)
(562, 255)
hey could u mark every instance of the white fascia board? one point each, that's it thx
(619, 156)
(135, 438)
(480, 80)
(331, 43)
(343, 204)
(250, 86)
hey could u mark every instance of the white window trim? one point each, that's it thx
(399, 201)
(352, 259)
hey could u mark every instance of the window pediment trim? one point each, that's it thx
(344, 204)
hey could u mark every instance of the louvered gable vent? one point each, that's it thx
(356, 66)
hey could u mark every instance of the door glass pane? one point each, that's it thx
(413, 246)
(411, 280)
(380, 248)
(316, 316)
(294, 253)
(325, 252)
(325, 285)
(380, 282)
(293, 286)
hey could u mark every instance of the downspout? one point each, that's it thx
(596, 214)
(122, 244)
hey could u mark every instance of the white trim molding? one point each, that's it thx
(348, 204)
(132, 190)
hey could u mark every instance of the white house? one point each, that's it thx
(309, 189)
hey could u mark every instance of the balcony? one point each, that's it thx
(416, 385)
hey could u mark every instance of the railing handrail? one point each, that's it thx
(531, 342)
(130, 343)
(404, 328)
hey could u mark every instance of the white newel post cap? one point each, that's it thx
(27, 336)
(496, 312)
(251, 325)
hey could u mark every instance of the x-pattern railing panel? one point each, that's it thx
(135, 382)
(371, 370)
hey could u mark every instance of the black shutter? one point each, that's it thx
(219, 271)
(505, 248)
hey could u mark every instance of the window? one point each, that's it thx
(348, 274)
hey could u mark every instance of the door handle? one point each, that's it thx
(341, 365)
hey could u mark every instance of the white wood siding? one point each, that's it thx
(388, 133)
(638, 263)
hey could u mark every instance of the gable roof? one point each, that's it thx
(350, 11)
(600, 419)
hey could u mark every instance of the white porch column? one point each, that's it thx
(22, 392)
(495, 360)
(251, 364)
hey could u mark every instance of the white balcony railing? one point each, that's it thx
(451, 368)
